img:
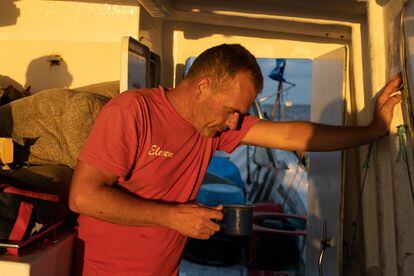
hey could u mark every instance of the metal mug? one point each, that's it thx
(237, 220)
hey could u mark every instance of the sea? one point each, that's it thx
(296, 112)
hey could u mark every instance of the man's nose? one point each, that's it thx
(232, 121)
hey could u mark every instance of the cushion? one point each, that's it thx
(50, 126)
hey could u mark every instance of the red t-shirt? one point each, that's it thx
(157, 155)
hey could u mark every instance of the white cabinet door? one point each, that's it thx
(325, 194)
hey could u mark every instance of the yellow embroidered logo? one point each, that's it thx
(156, 150)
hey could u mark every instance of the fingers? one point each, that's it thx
(204, 237)
(207, 229)
(219, 207)
(393, 85)
(215, 214)
(195, 220)
(213, 226)
(398, 75)
(392, 101)
(210, 215)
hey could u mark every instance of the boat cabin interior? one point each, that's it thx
(346, 212)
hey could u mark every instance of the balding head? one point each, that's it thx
(222, 62)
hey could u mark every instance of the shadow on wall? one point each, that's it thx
(41, 75)
(6, 81)
(8, 12)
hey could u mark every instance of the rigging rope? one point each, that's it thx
(402, 135)
(365, 166)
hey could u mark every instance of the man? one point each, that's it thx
(139, 172)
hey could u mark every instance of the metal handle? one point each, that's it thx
(54, 60)
(325, 243)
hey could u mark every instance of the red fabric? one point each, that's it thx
(267, 207)
(21, 192)
(158, 155)
(20, 226)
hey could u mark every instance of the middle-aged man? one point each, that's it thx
(141, 167)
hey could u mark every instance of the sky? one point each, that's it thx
(298, 71)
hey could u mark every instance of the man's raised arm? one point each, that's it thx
(305, 136)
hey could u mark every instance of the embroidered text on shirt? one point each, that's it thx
(156, 150)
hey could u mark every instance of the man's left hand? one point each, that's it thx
(384, 105)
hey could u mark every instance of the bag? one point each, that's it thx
(51, 126)
(27, 208)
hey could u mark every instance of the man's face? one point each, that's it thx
(221, 110)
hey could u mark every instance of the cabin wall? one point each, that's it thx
(387, 209)
(182, 40)
(86, 35)
(151, 32)
(395, 203)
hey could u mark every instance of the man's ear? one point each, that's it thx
(203, 87)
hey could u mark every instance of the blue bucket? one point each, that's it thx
(216, 194)
(223, 167)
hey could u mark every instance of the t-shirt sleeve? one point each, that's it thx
(113, 141)
(229, 140)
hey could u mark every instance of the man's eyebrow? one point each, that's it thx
(236, 110)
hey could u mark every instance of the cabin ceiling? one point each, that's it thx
(351, 7)
(318, 18)
(315, 7)
(304, 17)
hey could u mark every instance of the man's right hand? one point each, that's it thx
(195, 221)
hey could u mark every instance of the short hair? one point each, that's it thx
(222, 62)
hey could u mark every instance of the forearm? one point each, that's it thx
(120, 207)
(305, 136)
(327, 138)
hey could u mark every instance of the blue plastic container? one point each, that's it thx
(216, 194)
(223, 167)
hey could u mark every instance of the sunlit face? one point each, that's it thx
(221, 110)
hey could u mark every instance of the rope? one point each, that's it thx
(365, 166)
(402, 131)
(402, 135)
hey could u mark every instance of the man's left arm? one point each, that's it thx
(305, 136)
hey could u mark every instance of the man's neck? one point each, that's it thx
(181, 98)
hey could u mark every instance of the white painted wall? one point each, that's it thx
(393, 205)
(86, 35)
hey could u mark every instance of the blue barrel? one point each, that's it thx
(216, 194)
(223, 167)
